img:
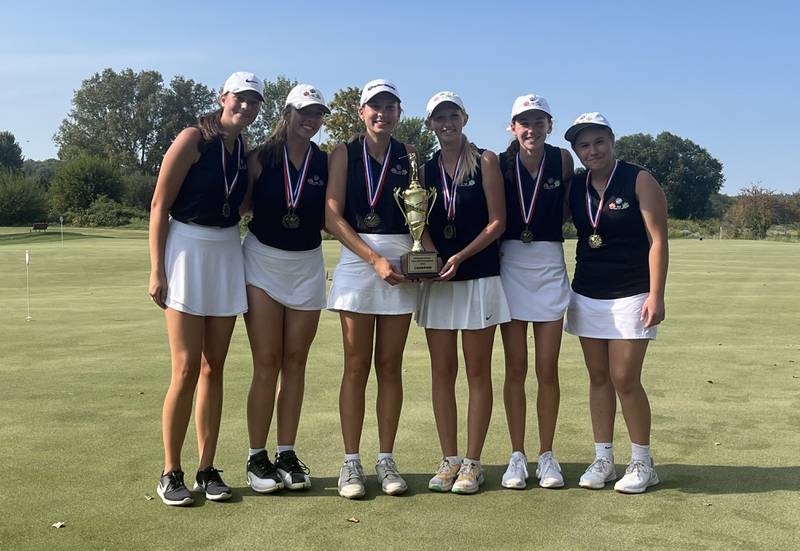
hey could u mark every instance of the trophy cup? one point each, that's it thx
(416, 203)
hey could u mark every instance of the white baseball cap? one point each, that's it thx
(304, 95)
(444, 97)
(529, 102)
(375, 87)
(584, 121)
(241, 81)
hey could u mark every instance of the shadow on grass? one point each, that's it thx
(727, 479)
(46, 237)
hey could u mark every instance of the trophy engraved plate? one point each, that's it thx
(415, 203)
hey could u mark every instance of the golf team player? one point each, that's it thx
(617, 296)
(464, 226)
(285, 276)
(534, 275)
(197, 275)
(370, 293)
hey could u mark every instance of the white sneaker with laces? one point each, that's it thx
(470, 478)
(517, 472)
(445, 476)
(638, 477)
(352, 480)
(549, 472)
(602, 470)
(391, 482)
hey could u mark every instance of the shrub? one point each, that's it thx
(80, 181)
(138, 190)
(21, 200)
(105, 212)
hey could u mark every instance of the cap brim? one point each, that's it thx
(368, 98)
(303, 104)
(573, 131)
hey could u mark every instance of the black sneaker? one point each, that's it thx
(293, 471)
(262, 476)
(209, 481)
(172, 490)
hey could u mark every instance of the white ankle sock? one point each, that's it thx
(384, 455)
(256, 451)
(604, 450)
(475, 461)
(545, 455)
(640, 452)
(352, 457)
(453, 459)
(282, 449)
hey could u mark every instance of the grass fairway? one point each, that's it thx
(81, 388)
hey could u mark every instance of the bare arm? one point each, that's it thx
(494, 191)
(567, 172)
(253, 172)
(179, 158)
(335, 223)
(653, 204)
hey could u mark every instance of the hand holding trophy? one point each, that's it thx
(415, 203)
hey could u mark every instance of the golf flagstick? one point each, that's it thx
(28, 283)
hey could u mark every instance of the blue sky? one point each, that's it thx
(723, 74)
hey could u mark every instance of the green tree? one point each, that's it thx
(79, 181)
(22, 201)
(687, 172)
(10, 152)
(274, 101)
(412, 130)
(753, 212)
(129, 118)
(343, 122)
(41, 172)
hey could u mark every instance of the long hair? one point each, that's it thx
(210, 126)
(469, 162)
(271, 152)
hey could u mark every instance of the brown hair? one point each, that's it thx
(270, 153)
(210, 126)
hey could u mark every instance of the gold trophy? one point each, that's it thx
(416, 203)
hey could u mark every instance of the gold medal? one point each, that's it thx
(290, 221)
(449, 231)
(526, 236)
(372, 220)
(595, 241)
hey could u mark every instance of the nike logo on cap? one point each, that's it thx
(253, 81)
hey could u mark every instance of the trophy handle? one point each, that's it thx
(397, 193)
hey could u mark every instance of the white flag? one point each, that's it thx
(27, 258)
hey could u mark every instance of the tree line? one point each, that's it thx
(111, 143)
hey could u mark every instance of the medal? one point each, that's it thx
(449, 196)
(293, 190)
(527, 212)
(226, 208)
(596, 241)
(290, 221)
(526, 236)
(372, 220)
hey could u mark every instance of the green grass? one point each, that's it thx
(81, 388)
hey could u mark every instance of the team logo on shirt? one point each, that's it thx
(551, 183)
(467, 183)
(399, 170)
(618, 204)
(315, 181)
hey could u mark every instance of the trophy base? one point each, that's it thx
(420, 265)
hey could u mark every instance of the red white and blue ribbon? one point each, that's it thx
(595, 220)
(527, 212)
(230, 187)
(374, 192)
(294, 191)
(449, 190)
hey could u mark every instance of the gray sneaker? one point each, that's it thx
(352, 480)
(391, 482)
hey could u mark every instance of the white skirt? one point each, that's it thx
(356, 287)
(617, 318)
(205, 270)
(471, 304)
(535, 279)
(295, 279)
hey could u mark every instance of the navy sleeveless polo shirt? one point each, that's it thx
(202, 195)
(472, 215)
(548, 213)
(269, 204)
(356, 205)
(620, 267)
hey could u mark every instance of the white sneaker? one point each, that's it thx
(517, 472)
(549, 472)
(391, 482)
(638, 477)
(445, 476)
(470, 478)
(352, 480)
(602, 470)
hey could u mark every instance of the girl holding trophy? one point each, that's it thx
(468, 294)
(285, 275)
(373, 298)
(617, 297)
(534, 276)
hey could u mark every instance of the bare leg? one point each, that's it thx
(547, 337)
(444, 370)
(477, 348)
(390, 340)
(515, 345)
(357, 333)
(602, 402)
(626, 358)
